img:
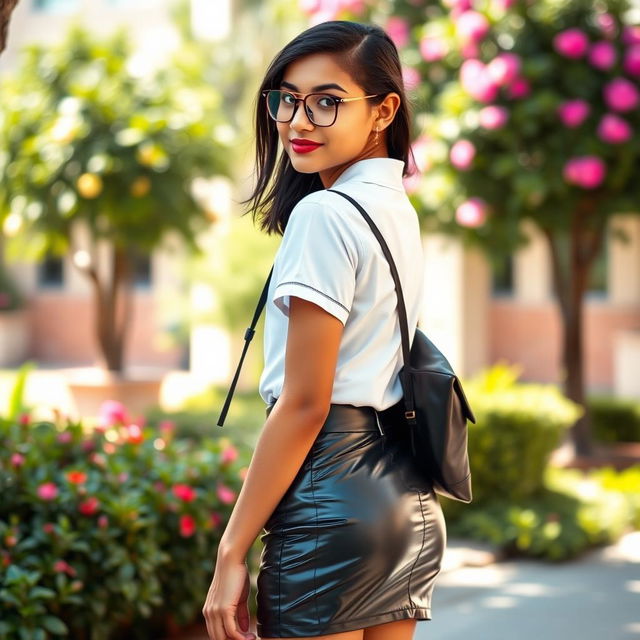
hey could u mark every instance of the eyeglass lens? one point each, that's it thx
(321, 108)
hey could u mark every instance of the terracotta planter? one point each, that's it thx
(137, 389)
(14, 337)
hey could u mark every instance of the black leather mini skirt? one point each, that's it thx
(358, 538)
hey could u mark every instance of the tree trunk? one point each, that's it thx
(6, 8)
(570, 280)
(113, 309)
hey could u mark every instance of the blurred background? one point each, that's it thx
(129, 272)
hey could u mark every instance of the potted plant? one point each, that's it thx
(89, 145)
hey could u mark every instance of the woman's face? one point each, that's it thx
(352, 135)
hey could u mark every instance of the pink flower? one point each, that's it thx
(17, 459)
(470, 49)
(631, 62)
(47, 491)
(602, 55)
(76, 477)
(184, 492)
(476, 81)
(462, 154)
(49, 527)
(187, 525)
(225, 494)
(493, 117)
(621, 95)
(585, 171)
(519, 88)
(103, 521)
(631, 34)
(573, 112)
(411, 78)
(613, 129)
(607, 24)
(229, 454)
(472, 212)
(112, 413)
(472, 26)
(167, 426)
(571, 43)
(89, 506)
(64, 437)
(24, 420)
(215, 518)
(98, 459)
(398, 30)
(432, 49)
(504, 68)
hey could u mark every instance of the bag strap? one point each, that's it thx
(409, 402)
(410, 413)
(248, 335)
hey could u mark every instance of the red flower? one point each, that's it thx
(184, 492)
(134, 435)
(187, 526)
(48, 527)
(216, 518)
(47, 491)
(89, 506)
(103, 521)
(24, 419)
(60, 566)
(76, 477)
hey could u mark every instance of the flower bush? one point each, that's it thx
(104, 525)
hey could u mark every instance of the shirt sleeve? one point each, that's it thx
(317, 260)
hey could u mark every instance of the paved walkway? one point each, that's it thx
(596, 597)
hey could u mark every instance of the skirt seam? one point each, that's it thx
(315, 551)
(424, 530)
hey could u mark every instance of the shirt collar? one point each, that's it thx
(386, 172)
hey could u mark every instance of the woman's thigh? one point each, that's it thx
(396, 630)
(347, 635)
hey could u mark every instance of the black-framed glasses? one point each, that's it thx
(321, 108)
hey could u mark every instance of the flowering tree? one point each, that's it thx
(84, 140)
(525, 110)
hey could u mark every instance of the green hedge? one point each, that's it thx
(517, 428)
(106, 530)
(574, 512)
(615, 419)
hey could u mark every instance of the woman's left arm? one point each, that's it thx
(313, 341)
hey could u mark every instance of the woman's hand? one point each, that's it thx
(225, 609)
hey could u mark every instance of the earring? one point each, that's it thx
(375, 140)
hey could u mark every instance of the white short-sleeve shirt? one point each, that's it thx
(329, 256)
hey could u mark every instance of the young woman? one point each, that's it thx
(353, 535)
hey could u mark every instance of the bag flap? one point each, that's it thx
(457, 385)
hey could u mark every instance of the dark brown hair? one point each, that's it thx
(372, 60)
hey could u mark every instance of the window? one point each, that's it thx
(502, 276)
(51, 273)
(141, 270)
(56, 6)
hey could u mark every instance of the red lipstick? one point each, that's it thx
(300, 145)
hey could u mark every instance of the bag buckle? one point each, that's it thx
(410, 415)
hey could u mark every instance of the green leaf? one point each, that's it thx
(55, 625)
